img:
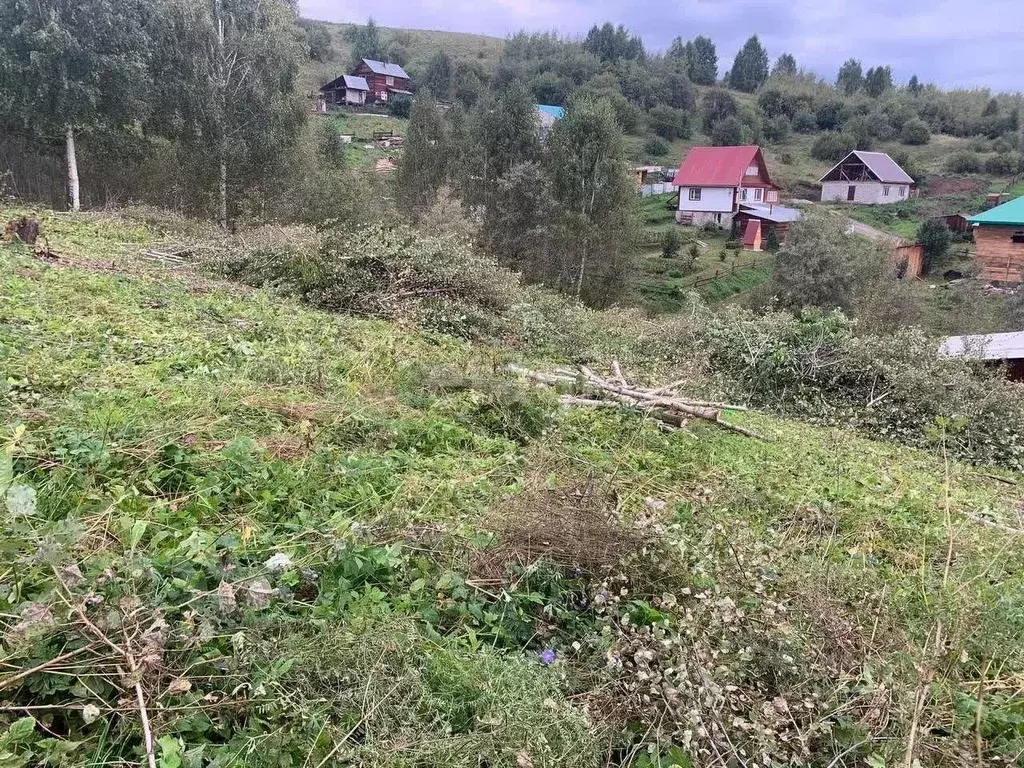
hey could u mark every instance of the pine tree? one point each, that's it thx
(785, 66)
(750, 69)
(914, 86)
(423, 168)
(439, 76)
(702, 61)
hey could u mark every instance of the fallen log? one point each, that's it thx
(587, 389)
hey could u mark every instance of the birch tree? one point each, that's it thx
(592, 188)
(72, 67)
(224, 77)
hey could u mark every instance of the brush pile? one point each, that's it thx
(664, 405)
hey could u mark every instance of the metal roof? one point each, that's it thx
(356, 83)
(775, 213)
(556, 112)
(880, 164)
(716, 166)
(385, 68)
(1008, 214)
(995, 346)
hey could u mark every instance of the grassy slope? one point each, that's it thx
(180, 432)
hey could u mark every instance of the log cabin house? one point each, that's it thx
(347, 89)
(385, 79)
(871, 178)
(999, 242)
(714, 182)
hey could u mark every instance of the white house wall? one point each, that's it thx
(867, 192)
(712, 200)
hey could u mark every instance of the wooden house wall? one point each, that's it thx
(1001, 258)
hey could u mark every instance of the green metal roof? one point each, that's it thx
(1008, 214)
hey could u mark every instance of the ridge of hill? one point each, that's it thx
(318, 538)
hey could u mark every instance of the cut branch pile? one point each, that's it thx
(662, 404)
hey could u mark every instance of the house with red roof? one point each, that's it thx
(714, 182)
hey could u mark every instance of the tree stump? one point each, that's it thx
(25, 229)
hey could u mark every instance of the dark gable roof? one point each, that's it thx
(352, 82)
(385, 68)
(880, 164)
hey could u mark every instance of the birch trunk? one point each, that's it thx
(222, 146)
(74, 199)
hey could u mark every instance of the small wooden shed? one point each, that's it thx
(999, 241)
(992, 349)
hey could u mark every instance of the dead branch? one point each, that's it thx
(592, 391)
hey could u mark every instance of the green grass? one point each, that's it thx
(901, 219)
(179, 432)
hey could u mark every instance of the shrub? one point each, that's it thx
(934, 237)
(669, 123)
(963, 162)
(727, 133)
(384, 271)
(915, 132)
(656, 146)
(1002, 165)
(833, 147)
(805, 122)
(777, 129)
(400, 107)
(671, 243)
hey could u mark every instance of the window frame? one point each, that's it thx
(903, 191)
(389, 81)
(758, 195)
(885, 190)
(695, 194)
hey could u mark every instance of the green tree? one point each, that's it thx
(321, 46)
(915, 132)
(702, 61)
(991, 108)
(832, 146)
(439, 76)
(669, 123)
(914, 86)
(503, 132)
(877, 81)
(935, 239)
(424, 166)
(610, 43)
(367, 42)
(851, 77)
(821, 266)
(727, 133)
(671, 243)
(750, 69)
(592, 187)
(224, 86)
(69, 67)
(717, 105)
(785, 66)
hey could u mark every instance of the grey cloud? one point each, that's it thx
(950, 42)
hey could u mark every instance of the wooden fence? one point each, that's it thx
(720, 273)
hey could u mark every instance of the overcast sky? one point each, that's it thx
(949, 42)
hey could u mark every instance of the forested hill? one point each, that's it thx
(694, 93)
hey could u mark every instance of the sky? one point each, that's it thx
(970, 43)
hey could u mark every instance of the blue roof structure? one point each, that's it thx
(554, 112)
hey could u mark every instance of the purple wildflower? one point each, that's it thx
(547, 656)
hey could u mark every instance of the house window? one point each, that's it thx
(757, 194)
(1018, 236)
(743, 194)
(695, 194)
(753, 171)
(903, 191)
(885, 191)
(390, 81)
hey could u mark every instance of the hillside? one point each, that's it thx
(418, 44)
(290, 537)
